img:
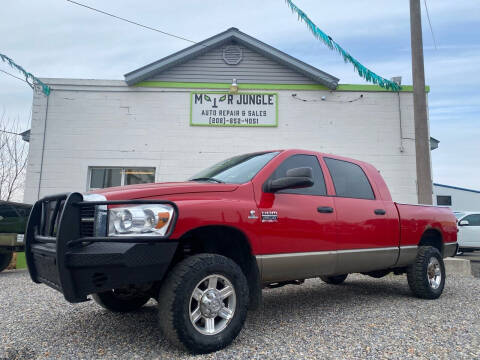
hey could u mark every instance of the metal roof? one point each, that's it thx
(434, 143)
(232, 34)
(456, 188)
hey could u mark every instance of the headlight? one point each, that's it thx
(149, 220)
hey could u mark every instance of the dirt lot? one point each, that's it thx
(364, 318)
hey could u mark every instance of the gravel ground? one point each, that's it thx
(364, 318)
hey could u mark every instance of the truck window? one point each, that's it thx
(349, 179)
(297, 161)
(6, 211)
(236, 170)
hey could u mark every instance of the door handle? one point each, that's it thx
(380, 212)
(325, 209)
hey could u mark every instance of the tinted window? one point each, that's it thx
(473, 220)
(445, 200)
(139, 176)
(6, 211)
(349, 179)
(103, 178)
(236, 170)
(297, 161)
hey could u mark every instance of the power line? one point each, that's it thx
(9, 132)
(132, 22)
(430, 24)
(16, 77)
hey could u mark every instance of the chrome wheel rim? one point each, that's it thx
(434, 273)
(212, 304)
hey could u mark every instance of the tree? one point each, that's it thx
(13, 160)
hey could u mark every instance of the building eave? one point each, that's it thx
(231, 34)
(456, 188)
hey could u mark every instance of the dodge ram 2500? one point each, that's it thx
(204, 248)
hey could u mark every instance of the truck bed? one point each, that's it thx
(415, 220)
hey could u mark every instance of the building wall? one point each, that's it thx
(462, 200)
(106, 123)
(254, 69)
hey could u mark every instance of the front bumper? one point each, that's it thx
(59, 254)
(450, 249)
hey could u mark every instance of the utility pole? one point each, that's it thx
(422, 138)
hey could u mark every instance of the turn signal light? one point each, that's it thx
(163, 218)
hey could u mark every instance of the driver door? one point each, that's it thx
(298, 226)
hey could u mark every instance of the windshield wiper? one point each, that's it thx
(208, 179)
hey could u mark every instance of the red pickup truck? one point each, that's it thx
(204, 248)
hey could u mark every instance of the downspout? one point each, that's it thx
(402, 149)
(43, 149)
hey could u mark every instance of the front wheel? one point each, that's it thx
(426, 276)
(203, 303)
(334, 280)
(121, 300)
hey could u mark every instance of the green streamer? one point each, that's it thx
(35, 80)
(365, 73)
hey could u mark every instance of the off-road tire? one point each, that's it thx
(108, 300)
(334, 280)
(5, 259)
(417, 275)
(174, 302)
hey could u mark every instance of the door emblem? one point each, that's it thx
(269, 216)
(252, 215)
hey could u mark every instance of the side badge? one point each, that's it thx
(269, 216)
(252, 215)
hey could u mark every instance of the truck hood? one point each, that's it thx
(140, 191)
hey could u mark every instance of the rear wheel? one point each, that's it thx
(121, 300)
(5, 259)
(334, 280)
(203, 303)
(426, 276)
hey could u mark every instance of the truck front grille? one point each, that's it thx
(87, 220)
(51, 212)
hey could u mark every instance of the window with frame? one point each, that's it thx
(104, 177)
(473, 219)
(349, 179)
(444, 200)
(297, 161)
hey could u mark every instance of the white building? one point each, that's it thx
(457, 198)
(157, 124)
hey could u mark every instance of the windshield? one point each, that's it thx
(459, 215)
(236, 170)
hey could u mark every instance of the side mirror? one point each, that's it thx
(463, 223)
(296, 178)
(300, 172)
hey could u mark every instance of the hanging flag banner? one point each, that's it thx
(225, 109)
(364, 72)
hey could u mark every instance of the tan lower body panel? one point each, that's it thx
(364, 260)
(285, 267)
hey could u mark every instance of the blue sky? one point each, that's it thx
(53, 38)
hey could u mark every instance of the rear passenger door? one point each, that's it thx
(367, 237)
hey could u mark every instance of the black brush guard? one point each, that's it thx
(59, 254)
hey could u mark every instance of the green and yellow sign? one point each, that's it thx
(225, 109)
